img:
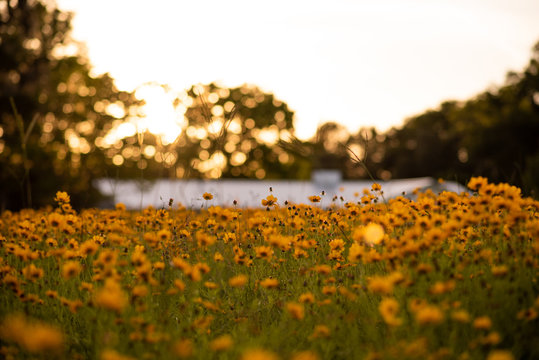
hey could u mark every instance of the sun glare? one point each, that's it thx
(159, 115)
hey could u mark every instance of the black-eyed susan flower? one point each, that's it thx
(89, 247)
(376, 187)
(389, 309)
(306, 298)
(62, 197)
(270, 200)
(314, 199)
(32, 272)
(264, 252)
(70, 269)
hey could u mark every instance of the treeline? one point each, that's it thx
(61, 128)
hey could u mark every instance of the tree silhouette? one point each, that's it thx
(233, 132)
(54, 113)
(494, 134)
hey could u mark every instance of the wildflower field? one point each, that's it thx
(445, 276)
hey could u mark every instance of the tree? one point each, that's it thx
(493, 134)
(233, 133)
(54, 113)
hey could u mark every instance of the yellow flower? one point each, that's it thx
(210, 285)
(140, 291)
(482, 323)
(164, 235)
(86, 286)
(51, 294)
(120, 206)
(218, 257)
(322, 269)
(222, 343)
(314, 199)
(429, 315)
(111, 296)
(295, 310)
(336, 244)
(258, 354)
(380, 285)
(329, 290)
(35, 337)
(269, 283)
(183, 348)
(270, 200)
(500, 355)
(89, 247)
(499, 271)
(306, 298)
(62, 197)
(238, 281)
(263, 252)
(460, 316)
(180, 285)
(70, 269)
(389, 308)
(205, 239)
(477, 183)
(355, 252)
(56, 221)
(320, 331)
(493, 338)
(110, 354)
(32, 272)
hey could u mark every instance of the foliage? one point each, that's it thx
(238, 129)
(445, 276)
(492, 135)
(71, 109)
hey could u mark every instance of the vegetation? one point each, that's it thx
(445, 276)
(60, 127)
(493, 135)
(54, 113)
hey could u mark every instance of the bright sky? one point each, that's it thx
(360, 63)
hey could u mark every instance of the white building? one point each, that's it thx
(137, 194)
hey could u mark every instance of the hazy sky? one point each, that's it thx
(360, 63)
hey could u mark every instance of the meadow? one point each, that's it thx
(443, 276)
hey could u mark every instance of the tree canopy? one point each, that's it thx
(54, 112)
(59, 125)
(495, 134)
